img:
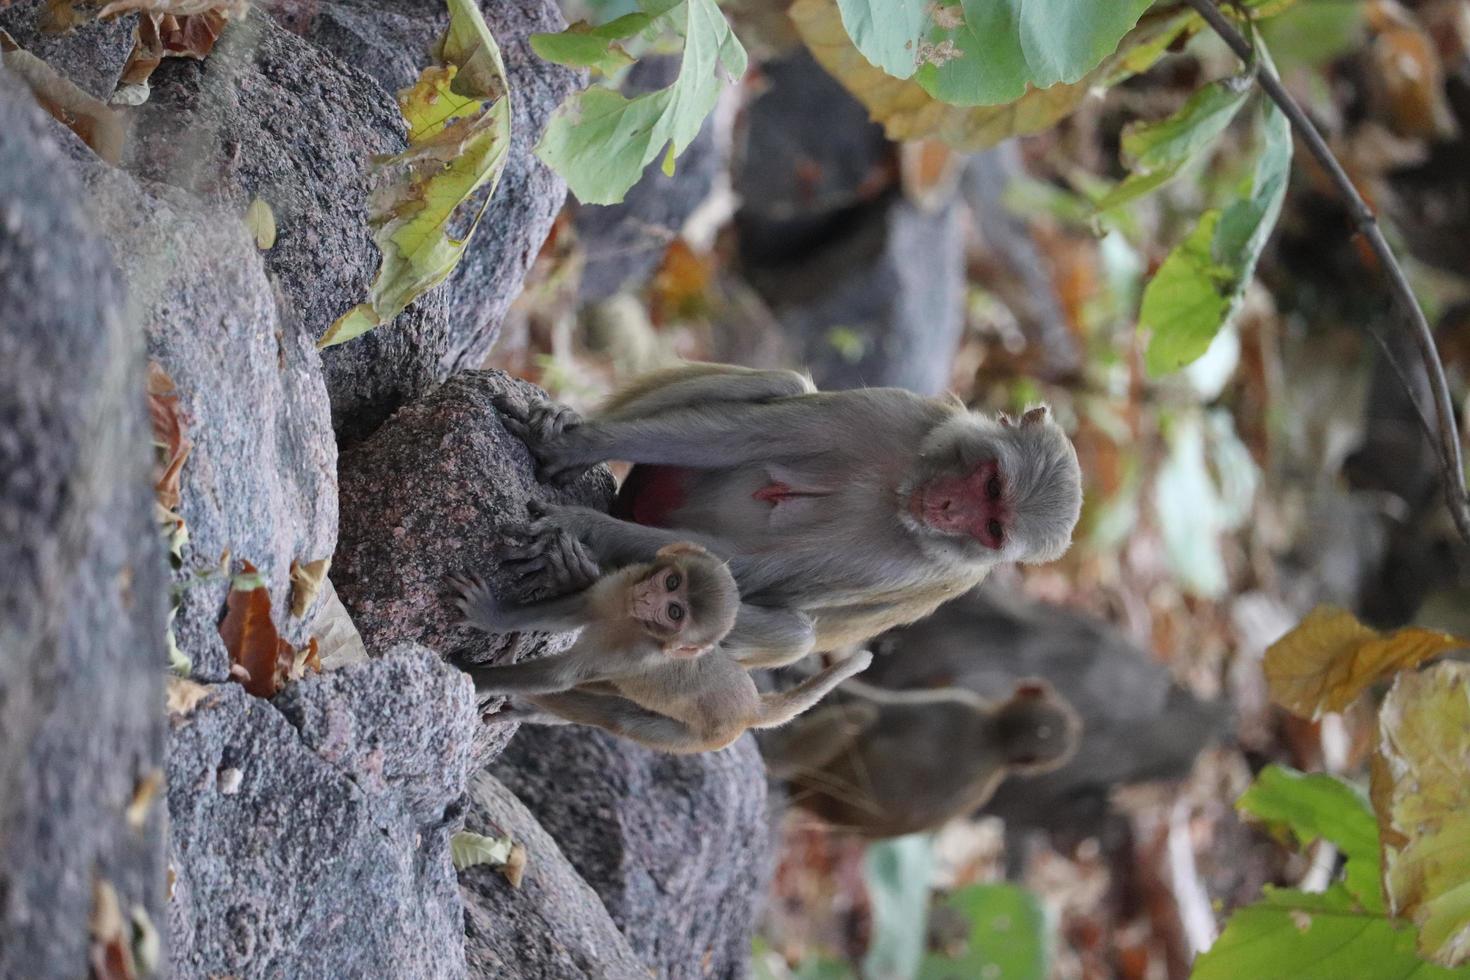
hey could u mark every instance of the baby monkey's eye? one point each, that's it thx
(676, 611)
(996, 531)
(992, 489)
(672, 582)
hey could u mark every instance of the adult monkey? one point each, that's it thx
(841, 513)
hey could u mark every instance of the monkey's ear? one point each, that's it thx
(685, 651)
(1034, 415)
(1005, 420)
(1031, 687)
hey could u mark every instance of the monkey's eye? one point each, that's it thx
(672, 582)
(676, 611)
(992, 489)
(996, 531)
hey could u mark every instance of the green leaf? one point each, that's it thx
(1155, 152)
(1008, 937)
(898, 873)
(1200, 285)
(458, 116)
(468, 849)
(887, 32)
(1324, 936)
(985, 97)
(986, 52)
(601, 142)
(583, 46)
(1317, 805)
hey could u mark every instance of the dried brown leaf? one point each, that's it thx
(144, 793)
(1421, 793)
(1330, 658)
(94, 122)
(110, 955)
(168, 435)
(250, 635)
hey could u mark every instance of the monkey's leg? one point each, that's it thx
(715, 435)
(767, 637)
(622, 717)
(817, 739)
(780, 707)
(541, 676)
(698, 384)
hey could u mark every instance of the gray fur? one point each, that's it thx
(844, 551)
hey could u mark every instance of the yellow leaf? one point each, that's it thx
(306, 582)
(261, 221)
(1421, 793)
(1331, 658)
(907, 112)
(458, 116)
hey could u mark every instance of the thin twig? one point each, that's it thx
(1447, 435)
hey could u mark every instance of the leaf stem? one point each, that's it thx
(1447, 436)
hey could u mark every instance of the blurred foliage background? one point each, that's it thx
(1282, 470)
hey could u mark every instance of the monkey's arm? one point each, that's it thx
(622, 717)
(540, 676)
(780, 707)
(816, 739)
(613, 542)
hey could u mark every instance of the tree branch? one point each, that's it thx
(1447, 435)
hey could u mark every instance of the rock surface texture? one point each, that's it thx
(311, 834)
(553, 926)
(677, 846)
(82, 602)
(390, 42)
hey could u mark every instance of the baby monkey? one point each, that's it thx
(646, 665)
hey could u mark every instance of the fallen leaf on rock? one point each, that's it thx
(307, 658)
(110, 954)
(458, 115)
(94, 122)
(340, 643)
(182, 696)
(468, 849)
(306, 582)
(165, 32)
(1421, 793)
(261, 221)
(250, 635)
(143, 796)
(1330, 658)
(168, 435)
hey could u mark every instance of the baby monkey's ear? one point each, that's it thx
(1034, 415)
(686, 651)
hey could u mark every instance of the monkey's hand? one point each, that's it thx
(548, 556)
(477, 603)
(540, 425)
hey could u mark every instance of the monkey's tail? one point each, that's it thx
(779, 707)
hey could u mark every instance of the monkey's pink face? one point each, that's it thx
(660, 603)
(972, 504)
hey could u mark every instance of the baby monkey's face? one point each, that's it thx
(660, 601)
